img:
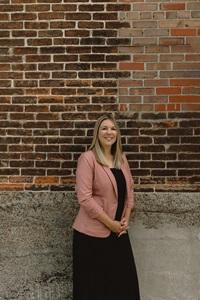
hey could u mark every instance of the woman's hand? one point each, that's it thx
(124, 224)
(116, 227)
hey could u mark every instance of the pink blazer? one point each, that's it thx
(96, 191)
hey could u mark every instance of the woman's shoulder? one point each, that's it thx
(89, 155)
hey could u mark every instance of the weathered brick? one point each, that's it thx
(23, 16)
(118, 7)
(172, 57)
(180, 74)
(11, 25)
(117, 25)
(62, 24)
(64, 7)
(105, 33)
(90, 25)
(91, 7)
(37, 7)
(193, 5)
(11, 8)
(51, 15)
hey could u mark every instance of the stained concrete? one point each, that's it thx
(35, 245)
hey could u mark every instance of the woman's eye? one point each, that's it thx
(105, 128)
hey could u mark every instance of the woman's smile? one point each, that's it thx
(107, 133)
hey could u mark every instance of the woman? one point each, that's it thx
(103, 263)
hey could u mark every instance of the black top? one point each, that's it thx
(121, 188)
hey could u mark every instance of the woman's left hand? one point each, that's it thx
(124, 223)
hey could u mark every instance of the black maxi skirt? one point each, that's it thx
(104, 268)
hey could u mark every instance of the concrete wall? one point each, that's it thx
(35, 245)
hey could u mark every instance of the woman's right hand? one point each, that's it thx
(116, 227)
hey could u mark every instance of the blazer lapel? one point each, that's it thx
(112, 178)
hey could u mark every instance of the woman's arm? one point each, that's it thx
(84, 181)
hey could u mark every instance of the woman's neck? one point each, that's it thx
(107, 152)
(108, 157)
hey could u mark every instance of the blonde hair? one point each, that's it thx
(116, 148)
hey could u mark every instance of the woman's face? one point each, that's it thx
(107, 134)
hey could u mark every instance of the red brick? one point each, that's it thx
(131, 66)
(11, 187)
(168, 91)
(171, 41)
(185, 82)
(183, 31)
(46, 180)
(172, 6)
(185, 99)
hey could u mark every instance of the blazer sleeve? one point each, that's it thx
(130, 202)
(84, 182)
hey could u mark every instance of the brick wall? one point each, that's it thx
(64, 63)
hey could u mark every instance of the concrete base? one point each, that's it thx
(35, 245)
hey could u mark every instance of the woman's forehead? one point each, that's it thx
(107, 122)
